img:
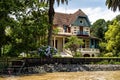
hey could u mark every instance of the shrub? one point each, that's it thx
(110, 54)
(78, 54)
(47, 51)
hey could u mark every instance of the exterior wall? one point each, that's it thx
(75, 30)
(87, 29)
(57, 42)
(81, 21)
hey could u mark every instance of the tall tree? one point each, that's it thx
(30, 31)
(7, 7)
(113, 4)
(98, 28)
(51, 15)
(113, 38)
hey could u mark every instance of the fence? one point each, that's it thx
(41, 61)
(18, 64)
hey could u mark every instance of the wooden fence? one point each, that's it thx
(41, 61)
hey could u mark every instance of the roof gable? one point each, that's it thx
(81, 21)
(67, 19)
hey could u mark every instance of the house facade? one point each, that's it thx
(76, 24)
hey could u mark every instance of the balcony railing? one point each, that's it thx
(75, 33)
(82, 33)
(66, 33)
(84, 50)
(90, 50)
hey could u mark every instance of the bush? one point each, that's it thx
(104, 62)
(110, 54)
(47, 51)
(78, 54)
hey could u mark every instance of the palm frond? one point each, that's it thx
(113, 4)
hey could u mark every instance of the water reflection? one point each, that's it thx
(95, 75)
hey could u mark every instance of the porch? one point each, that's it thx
(89, 52)
(89, 49)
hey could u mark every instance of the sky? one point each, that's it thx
(94, 9)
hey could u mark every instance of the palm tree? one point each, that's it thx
(51, 15)
(113, 4)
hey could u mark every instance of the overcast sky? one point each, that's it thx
(95, 9)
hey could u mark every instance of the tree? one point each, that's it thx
(113, 4)
(30, 30)
(113, 38)
(51, 15)
(98, 28)
(7, 8)
(73, 44)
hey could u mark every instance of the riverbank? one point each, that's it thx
(85, 75)
(70, 68)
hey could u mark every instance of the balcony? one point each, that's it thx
(84, 51)
(89, 50)
(65, 33)
(82, 33)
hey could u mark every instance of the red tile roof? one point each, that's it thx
(67, 19)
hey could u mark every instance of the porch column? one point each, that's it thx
(63, 43)
(54, 42)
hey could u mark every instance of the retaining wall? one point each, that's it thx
(70, 68)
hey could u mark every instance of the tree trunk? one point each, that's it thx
(51, 16)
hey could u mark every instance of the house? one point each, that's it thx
(76, 24)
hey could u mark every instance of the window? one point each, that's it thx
(87, 28)
(74, 32)
(65, 28)
(80, 21)
(74, 27)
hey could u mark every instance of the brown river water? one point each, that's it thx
(95, 75)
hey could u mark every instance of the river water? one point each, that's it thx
(95, 75)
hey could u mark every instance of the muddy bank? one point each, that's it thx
(85, 75)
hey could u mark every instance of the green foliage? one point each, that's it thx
(108, 62)
(24, 26)
(110, 54)
(113, 5)
(55, 31)
(57, 55)
(98, 28)
(73, 44)
(103, 62)
(102, 46)
(78, 54)
(113, 38)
